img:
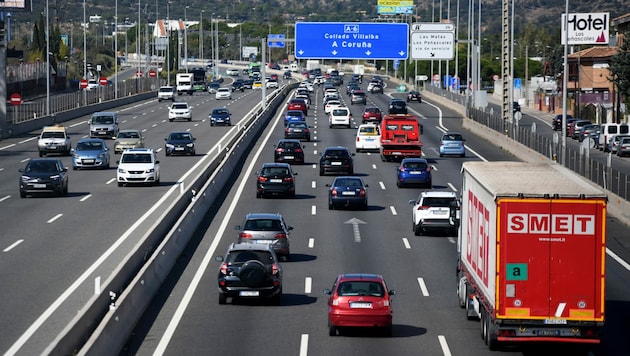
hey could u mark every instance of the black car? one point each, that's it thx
(414, 95)
(297, 130)
(397, 107)
(220, 116)
(180, 143)
(44, 175)
(238, 85)
(375, 88)
(289, 150)
(347, 192)
(250, 271)
(275, 179)
(287, 74)
(556, 124)
(336, 160)
(248, 83)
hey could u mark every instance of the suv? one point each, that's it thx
(576, 128)
(54, 139)
(268, 229)
(250, 271)
(138, 165)
(397, 106)
(358, 97)
(414, 95)
(298, 104)
(276, 179)
(339, 116)
(104, 124)
(556, 124)
(180, 110)
(337, 159)
(166, 93)
(432, 210)
(289, 150)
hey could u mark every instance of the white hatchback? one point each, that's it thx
(223, 93)
(339, 116)
(138, 166)
(368, 138)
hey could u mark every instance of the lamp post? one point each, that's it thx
(168, 45)
(47, 63)
(116, 51)
(138, 49)
(186, 38)
(201, 36)
(84, 44)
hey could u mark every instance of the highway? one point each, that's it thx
(57, 252)
(186, 319)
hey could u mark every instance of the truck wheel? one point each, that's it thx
(491, 335)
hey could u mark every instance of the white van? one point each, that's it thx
(294, 67)
(608, 130)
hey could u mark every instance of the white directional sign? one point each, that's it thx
(432, 41)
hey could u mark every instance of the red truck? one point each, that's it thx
(400, 137)
(531, 253)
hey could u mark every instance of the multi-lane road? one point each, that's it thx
(56, 251)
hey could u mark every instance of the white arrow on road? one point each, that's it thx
(355, 228)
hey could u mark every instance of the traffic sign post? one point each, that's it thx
(431, 41)
(102, 81)
(16, 99)
(83, 83)
(351, 40)
(275, 41)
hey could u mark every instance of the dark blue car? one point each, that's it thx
(347, 192)
(182, 143)
(220, 116)
(414, 171)
(293, 115)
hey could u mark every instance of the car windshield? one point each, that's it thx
(136, 158)
(220, 112)
(180, 137)
(89, 146)
(368, 130)
(53, 135)
(347, 182)
(297, 125)
(124, 134)
(365, 288)
(243, 256)
(180, 106)
(415, 165)
(452, 137)
(437, 202)
(166, 90)
(41, 167)
(103, 120)
(372, 110)
(263, 224)
(336, 153)
(340, 112)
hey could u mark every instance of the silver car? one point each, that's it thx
(266, 228)
(128, 139)
(90, 153)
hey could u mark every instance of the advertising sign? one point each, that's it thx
(586, 28)
(394, 7)
(16, 4)
(249, 51)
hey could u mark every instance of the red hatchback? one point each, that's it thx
(359, 300)
(298, 104)
(372, 114)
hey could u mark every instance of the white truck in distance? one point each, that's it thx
(183, 83)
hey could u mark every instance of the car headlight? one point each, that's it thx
(26, 178)
(76, 156)
(168, 145)
(150, 170)
(101, 155)
(120, 170)
(55, 177)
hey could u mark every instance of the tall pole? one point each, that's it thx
(186, 38)
(168, 46)
(116, 51)
(565, 81)
(84, 44)
(138, 49)
(47, 63)
(201, 36)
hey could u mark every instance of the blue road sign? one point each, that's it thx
(275, 40)
(518, 83)
(351, 40)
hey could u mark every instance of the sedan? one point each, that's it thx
(275, 179)
(337, 160)
(414, 171)
(182, 143)
(623, 147)
(289, 150)
(220, 116)
(127, 139)
(452, 143)
(347, 192)
(372, 114)
(180, 110)
(44, 175)
(294, 116)
(90, 153)
(297, 130)
(223, 93)
(359, 300)
(414, 95)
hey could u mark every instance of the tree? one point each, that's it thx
(620, 69)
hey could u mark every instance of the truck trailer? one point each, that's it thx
(184, 83)
(531, 253)
(400, 137)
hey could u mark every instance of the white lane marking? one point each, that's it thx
(406, 243)
(373, 165)
(623, 263)
(308, 285)
(13, 245)
(445, 349)
(111, 181)
(78, 123)
(25, 160)
(1, 169)
(311, 242)
(560, 309)
(393, 210)
(382, 185)
(452, 187)
(314, 165)
(304, 345)
(97, 285)
(54, 218)
(313, 184)
(451, 239)
(154, 125)
(28, 139)
(5, 198)
(315, 153)
(86, 197)
(434, 167)
(423, 287)
(144, 130)
(313, 210)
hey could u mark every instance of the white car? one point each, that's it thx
(432, 210)
(339, 116)
(223, 93)
(138, 166)
(232, 71)
(330, 105)
(368, 138)
(180, 110)
(272, 83)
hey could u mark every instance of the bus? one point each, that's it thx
(199, 79)
(254, 67)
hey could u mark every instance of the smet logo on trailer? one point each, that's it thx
(551, 224)
(478, 237)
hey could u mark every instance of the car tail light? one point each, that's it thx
(279, 149)
(335, 302)
(334, 192)
(285, 130)
(428, 168)
(402, 169)
(362, 192)
(224, 268)
(386, 303)
(288, 179)
(441, 143)
(275, 269)
(262, 179)
(281, 236)
(244, 235)
(358, 139)
(423, 207)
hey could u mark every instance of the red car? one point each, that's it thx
(298, 104)
(359, 300)
(372, 114)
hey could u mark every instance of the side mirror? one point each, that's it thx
(219, 258)
(327, 291)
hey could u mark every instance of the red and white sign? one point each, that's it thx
(152, 73)
(16, 99)
(139, 73)
(83, 83)
(102, 81)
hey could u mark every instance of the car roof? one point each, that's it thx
(252, 216)
(276, 164)
(359, 276)
(438, 194)
(405, 160)
(138, 150)
(91, 139)
(54, 129)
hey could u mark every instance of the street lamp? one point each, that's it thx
(47, 63)
(186, 38)
(168, 45)
(201, 36)
(84, 44)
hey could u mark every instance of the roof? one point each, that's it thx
(513, 179)
(54, 128)
(354, 276)
(594, 52)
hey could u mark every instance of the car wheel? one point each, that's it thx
(387, 331)
(417, 229)
(398, 184)
(462, 155)
(252, 273)
(189, 119)
(331, 206)
(441, 155)
(211, 124)
(430, 184)
(321, 171)
(193, 153)
(170, 120)
(22, 194)
(41, 154)
(157, 181)
(332, 330)
(365, 205)
(277, 299)
(120, 184)
(258, 195)
(222, 298)
(64, 192)
(74, 168)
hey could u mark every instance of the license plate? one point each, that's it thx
(415, 172)
(52, 147)
(369, 139)
(179, 148)
(249, 293)
(335, 163)
(439, 212)
(347, 193)
(264, 241)
(88, 161)
(102, 132)
(548, 332)
(297, 130)
(275, 180)
(39, 185)
(288, 157)
(361, 305)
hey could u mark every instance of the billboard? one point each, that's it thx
(586, 28)
(16, 5)
(394, 7)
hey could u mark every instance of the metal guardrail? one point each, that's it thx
(579, 161)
